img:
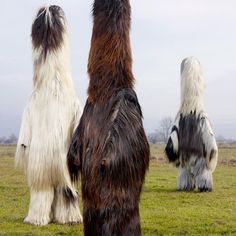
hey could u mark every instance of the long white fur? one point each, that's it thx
(185, 180)
(198, 171)
(192, 86)
(49, 119)
(65, 213)
(210, 144)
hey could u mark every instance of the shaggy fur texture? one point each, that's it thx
(192, 146)
(110, 148)
(48, 123)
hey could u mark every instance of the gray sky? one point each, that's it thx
(163, 33)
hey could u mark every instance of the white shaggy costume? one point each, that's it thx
(49, 119)
(191, 145)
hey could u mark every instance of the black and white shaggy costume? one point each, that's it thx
(191, 145)
(48, 124)
(109, 148)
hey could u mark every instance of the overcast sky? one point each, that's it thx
(163, 33)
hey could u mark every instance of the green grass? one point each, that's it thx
(164, 211)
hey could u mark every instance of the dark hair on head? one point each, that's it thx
(48, 28)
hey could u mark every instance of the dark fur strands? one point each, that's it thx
(68, 196)
(189, 138)
(169, 149)
(109, 147)
(190, 131)
(113, 156)
(48, 28)
(110, 54)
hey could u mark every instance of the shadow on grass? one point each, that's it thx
(173, 190)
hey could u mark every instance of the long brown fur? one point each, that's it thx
(109, 148)
(110, 53)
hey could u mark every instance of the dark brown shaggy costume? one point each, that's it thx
(109, 147)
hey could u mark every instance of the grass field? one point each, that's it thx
(164, 211)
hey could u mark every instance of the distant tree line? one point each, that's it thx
(161, 134)
(220, 139)
(12, 139)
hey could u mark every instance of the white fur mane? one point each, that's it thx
(192, 86)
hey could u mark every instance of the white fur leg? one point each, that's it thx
(203, 175)
(213, 162)
(40, 207)
(186, 181)
(66, 207)
(204, 180)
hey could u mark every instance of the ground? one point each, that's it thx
(164, 211)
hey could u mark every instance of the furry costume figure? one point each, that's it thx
(110, 148)
(191, 145)
(48, 124)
